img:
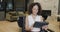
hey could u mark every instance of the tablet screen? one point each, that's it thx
(39, 24)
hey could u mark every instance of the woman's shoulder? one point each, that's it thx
(39, 15)
(27, 16)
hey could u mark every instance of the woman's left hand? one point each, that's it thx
(45, 27)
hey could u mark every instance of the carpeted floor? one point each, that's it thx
(6, 26)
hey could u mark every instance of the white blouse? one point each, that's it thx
(31, 21)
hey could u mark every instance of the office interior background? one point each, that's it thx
(10, 10)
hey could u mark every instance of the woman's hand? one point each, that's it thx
(31, 28)
(45, 27)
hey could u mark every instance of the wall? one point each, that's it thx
(49, 5)
(2, 15)
(53, 6)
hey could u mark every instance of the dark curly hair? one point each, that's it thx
(31, 6)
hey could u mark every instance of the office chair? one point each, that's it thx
(21, 23)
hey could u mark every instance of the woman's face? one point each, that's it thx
(35, 10)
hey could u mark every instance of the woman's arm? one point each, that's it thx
(26, 25)
(45, 26)
(41, 18)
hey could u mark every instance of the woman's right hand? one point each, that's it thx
(31, 28)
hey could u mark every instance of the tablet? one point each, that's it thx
(40, 24)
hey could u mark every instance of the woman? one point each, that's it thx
(34, 11)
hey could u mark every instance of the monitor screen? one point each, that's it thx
(9, 6)
(2, 6)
